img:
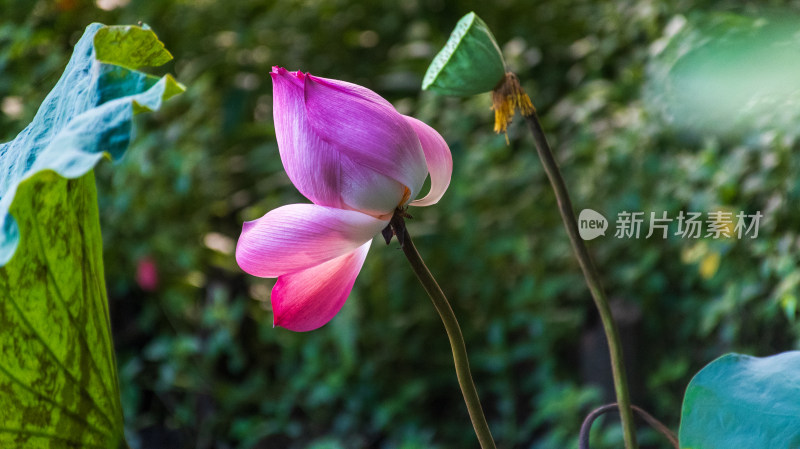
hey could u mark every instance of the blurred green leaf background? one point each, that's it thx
(201, 365)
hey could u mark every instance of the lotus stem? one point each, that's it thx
(453, 333)
(591, 275)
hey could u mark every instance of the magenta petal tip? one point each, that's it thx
(306, 300)
(247, 225)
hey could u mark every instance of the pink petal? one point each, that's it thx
(438, 158)
(367, 191)
(322, 170)
(367, 129)
(311, 163)
(300, 236)
(305, 300)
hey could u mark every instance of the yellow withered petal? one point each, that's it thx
(507, 97)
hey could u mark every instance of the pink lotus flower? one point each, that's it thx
(357, 159)
(147, 274)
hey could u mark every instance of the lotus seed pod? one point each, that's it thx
(469, 64)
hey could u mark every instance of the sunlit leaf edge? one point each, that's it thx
(87, 115)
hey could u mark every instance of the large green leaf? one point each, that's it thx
(58, 377)
(738, 401)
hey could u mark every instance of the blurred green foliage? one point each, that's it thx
(201, 365)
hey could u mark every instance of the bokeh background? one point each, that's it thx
(200, 363)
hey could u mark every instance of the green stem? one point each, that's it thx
(591, 276)
(456, 340)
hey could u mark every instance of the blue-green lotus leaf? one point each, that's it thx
(58, 375)
(87, 114)
(738, 401)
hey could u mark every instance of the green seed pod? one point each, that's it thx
(469, 64)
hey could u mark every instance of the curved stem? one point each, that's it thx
(453, 333)
(592, 278)
(586, 427)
